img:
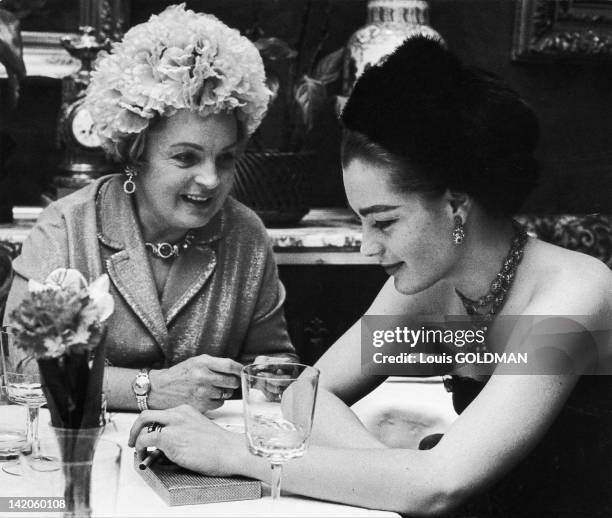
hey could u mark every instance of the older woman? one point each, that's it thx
(192, 274)
(437, 157)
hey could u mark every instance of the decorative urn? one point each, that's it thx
(389, 23)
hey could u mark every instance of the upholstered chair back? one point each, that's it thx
(590, 234)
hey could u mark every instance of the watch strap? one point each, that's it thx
(142, 402)
(142, 399)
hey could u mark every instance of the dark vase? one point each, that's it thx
(72, 384)
(275, 185)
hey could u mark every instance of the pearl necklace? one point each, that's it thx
(166, 250)
(500, 286)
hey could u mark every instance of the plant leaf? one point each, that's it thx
(35, 286)
(328, 69)
(310, 95)
(10, 45)
(273, 84)
(101, 298)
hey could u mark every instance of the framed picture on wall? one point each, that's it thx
(563, 29)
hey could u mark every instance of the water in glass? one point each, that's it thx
(279, 401)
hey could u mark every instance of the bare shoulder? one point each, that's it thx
(569, 282)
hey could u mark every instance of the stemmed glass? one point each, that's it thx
(23, 387)
(279, 401)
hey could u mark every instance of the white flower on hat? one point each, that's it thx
(179, 59)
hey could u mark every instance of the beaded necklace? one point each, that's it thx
(495, 298)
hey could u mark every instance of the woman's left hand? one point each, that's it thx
(189, 439)
(262, 358)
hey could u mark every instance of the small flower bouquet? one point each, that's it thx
(60, 323)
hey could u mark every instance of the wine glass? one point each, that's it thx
(23, 387)
(279, 401)
(12, 438)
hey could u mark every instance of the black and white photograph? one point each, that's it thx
(306, 258)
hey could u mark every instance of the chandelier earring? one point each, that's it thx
(129, 186)
(458, 231)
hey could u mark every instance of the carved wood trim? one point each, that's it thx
(563, 29)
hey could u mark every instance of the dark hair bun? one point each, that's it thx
(460, 127)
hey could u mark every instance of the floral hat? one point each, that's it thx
(178, 59)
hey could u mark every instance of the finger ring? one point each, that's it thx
(154, 427)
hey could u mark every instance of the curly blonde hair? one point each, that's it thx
(178, 59)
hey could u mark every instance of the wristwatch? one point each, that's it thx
(141, 387)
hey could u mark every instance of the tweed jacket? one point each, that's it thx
(222, 296)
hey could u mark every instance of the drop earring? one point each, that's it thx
(129, 186)
(458, 231)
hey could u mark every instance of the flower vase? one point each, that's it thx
(61, 324)
(77, 448)
(72, 384)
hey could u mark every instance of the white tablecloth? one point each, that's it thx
(136, 498)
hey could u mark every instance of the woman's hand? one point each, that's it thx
(189, 439)
(204, 382)
(262, 358)
(272, 388)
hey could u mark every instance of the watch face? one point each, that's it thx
(141, 385)
(82, 129)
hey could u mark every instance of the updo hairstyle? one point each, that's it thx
(443, 125)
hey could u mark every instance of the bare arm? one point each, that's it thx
(118, 388)
(342, 382)
(341, 372)
(501, 426)
(340, 366)
(484, 443)
(336, 425)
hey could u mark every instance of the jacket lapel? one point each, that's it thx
(128, 267)
(192, 268)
